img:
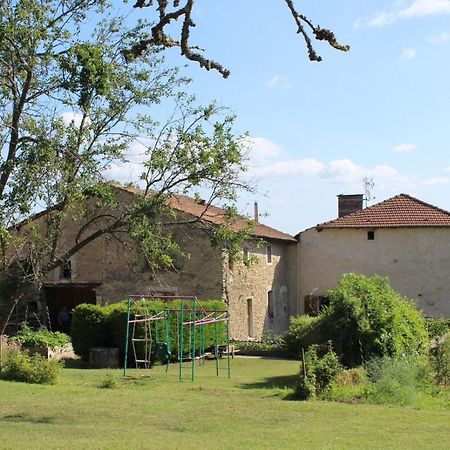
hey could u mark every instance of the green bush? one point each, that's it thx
(40, 338)
(366, 318)
(441, 361)
(98, 326)
(89, 329)
(302, 332)
(20, 366)
(318, 370)
(437, 327)
(401, 381)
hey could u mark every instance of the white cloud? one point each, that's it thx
(441, 38)
(292, 168)
(70, 117)
(421, 8)
(260, 150)
(437, 181)
(409, 53)
(280, 82)
(416, 8)
(404, 148)
(342, 171)
(132, 167)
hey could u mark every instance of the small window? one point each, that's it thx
(269, 254)
(270, 313)
(371, 235)
(66, 270)
(250, 317)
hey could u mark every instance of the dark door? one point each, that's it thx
(57, 297)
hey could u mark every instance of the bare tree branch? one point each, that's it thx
(160, 38)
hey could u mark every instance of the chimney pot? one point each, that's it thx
(256, 212)
(349, 203)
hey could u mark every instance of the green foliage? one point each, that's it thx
(98, 326)
(275, 346)
(20, 366)
(40, 338)
(441, 361)
(437, 326)
(366, 318)
(108, 382)
(401, 381)
(89, 329)
(301, 334)
(318, 370)
(70, 110)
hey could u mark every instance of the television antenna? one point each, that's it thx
(368, 185)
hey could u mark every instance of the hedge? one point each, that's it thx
(105, 326)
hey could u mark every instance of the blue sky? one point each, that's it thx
(380, 110)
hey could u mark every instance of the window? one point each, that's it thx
(66, 270)
(269, 254)
(270, 312)
(315, 304)
(371, 235)
(250, 317)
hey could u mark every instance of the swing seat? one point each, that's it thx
(162, 352)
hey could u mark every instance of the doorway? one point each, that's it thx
(56, 297)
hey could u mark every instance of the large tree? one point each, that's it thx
(69, 108)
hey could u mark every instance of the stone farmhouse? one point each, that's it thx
(260, 296)
(402, 238)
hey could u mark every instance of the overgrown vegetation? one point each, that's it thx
(384, 341)
(42, 337)
(366, 318)
(319, 368)
(20, 366)
(440, 358)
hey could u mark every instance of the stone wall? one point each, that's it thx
(416, 260)
(247, 289)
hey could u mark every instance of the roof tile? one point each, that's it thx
(399, 211)
(215, 215)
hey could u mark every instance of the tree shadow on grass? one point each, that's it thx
(21, 417)
(282, 386)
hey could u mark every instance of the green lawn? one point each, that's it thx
(248, 411)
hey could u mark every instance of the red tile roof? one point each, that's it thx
(399, 211)
(215, 215)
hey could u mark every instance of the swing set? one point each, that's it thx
(149, 332)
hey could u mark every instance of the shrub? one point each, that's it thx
(401, 381)
(40, 338)
(318, 370)
(301, 334)
(441, 361)
(108, 382)
(437, 327)
(366, 318)
(89, 328)
(20, 366)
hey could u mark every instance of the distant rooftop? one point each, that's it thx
(399, 211)
(216, 215)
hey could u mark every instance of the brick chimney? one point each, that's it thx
(350, 203)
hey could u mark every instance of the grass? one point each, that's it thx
(154, 410)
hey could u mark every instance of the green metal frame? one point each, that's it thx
(189, 318)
